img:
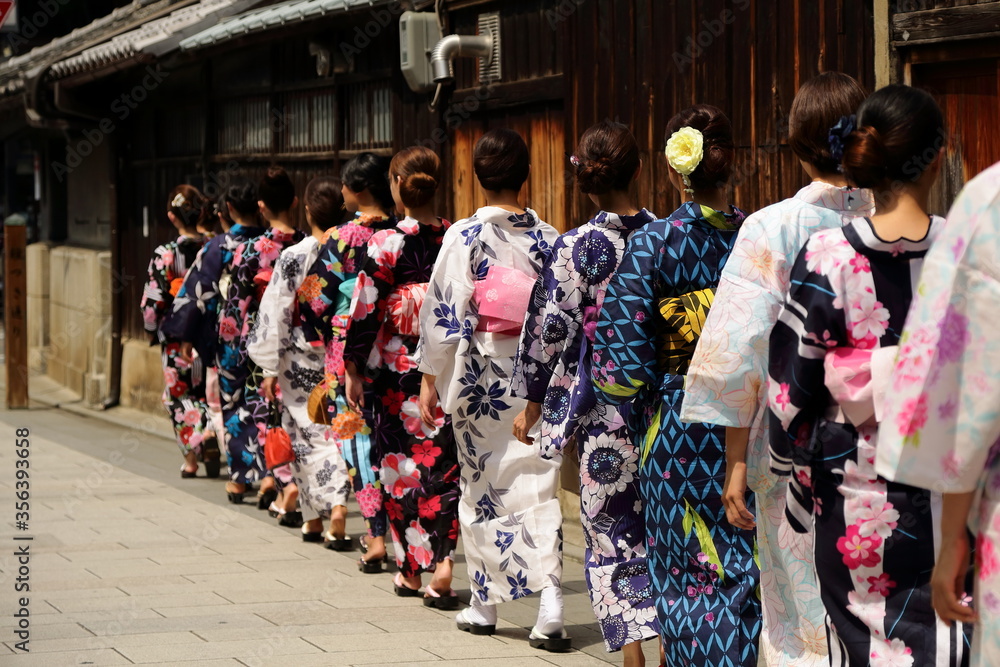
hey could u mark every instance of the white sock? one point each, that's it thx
(550, 611)
(481, 614)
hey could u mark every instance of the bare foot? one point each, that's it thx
(338, 521)
(441, 581)
(376, 548)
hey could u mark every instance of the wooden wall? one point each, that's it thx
(576, 62)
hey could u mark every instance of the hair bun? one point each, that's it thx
(420, 181)
(865, 158)
(596, 176)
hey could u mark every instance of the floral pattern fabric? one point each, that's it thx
(553, 368)
(324, 304)
(184, 393)
(703, 571)
(278, 346)
(941, 426)
(726, 385)
(244, 409)
(510, 517)
(418, 465)
(873, 538)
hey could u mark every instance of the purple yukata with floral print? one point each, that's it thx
(849, 296)
(553, 368)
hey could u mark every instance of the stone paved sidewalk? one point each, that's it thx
(132, 565)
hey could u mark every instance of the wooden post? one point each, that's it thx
(15, 287)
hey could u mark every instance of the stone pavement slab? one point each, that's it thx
(132, 565)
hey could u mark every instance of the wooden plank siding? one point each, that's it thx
(641, 61)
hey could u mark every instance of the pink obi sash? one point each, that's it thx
(858, 381)
(503, 298)
(403, 309)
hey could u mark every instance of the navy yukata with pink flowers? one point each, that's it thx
(850, 292)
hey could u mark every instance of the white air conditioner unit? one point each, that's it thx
(418, 33)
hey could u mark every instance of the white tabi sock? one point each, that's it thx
(480, 614)
(550, 612)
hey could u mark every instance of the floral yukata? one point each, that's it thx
(553, 368)
(244, 409)
(510, 517)
(194, 316)
(726, 385)
(184, 395)
(418, 465)
(704, 578)
(941, 428)
(277, 344)
(324, 304)
(850, 292)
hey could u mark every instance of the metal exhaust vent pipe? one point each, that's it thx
(456, 46)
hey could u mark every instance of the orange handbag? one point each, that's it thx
(277, 445)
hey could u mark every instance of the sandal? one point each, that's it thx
(473, 628)
(373, 566)
(446, 602)
(187, 474)
(308, 536)
(291, 519)
(337, 543)
(363, 544)
(236, 497)
(266, 498)
(211, 457)
(552, 643)
(402, 590)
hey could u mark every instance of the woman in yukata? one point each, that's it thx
(193, 319)
(727, 380)
(831, 355)
(243, 405)
(212, 396)
(553, 373)
(704, 578)
(470, 325)
(184, 395)
(289, 362)
(941, 428)
(418, 464)
(324, 304)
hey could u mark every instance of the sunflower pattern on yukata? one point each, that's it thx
(324, 304)
(874, 539)
(278, 346)
(553, 368)
(705, 577)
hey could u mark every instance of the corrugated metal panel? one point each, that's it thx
(273, 17)
(154, 38)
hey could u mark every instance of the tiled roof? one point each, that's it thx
(154, 38)
(13, 69)
(275, 16)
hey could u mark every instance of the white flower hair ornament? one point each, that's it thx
(685, 150)
(178, 201)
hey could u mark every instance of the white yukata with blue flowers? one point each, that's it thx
(510, 517)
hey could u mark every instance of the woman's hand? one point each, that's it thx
(428, 401)
(734, 496)
(267, 388)
(354, 387)
(186, 351)
(526, 420)
(948, 579)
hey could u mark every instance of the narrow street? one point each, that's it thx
(130, 564)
